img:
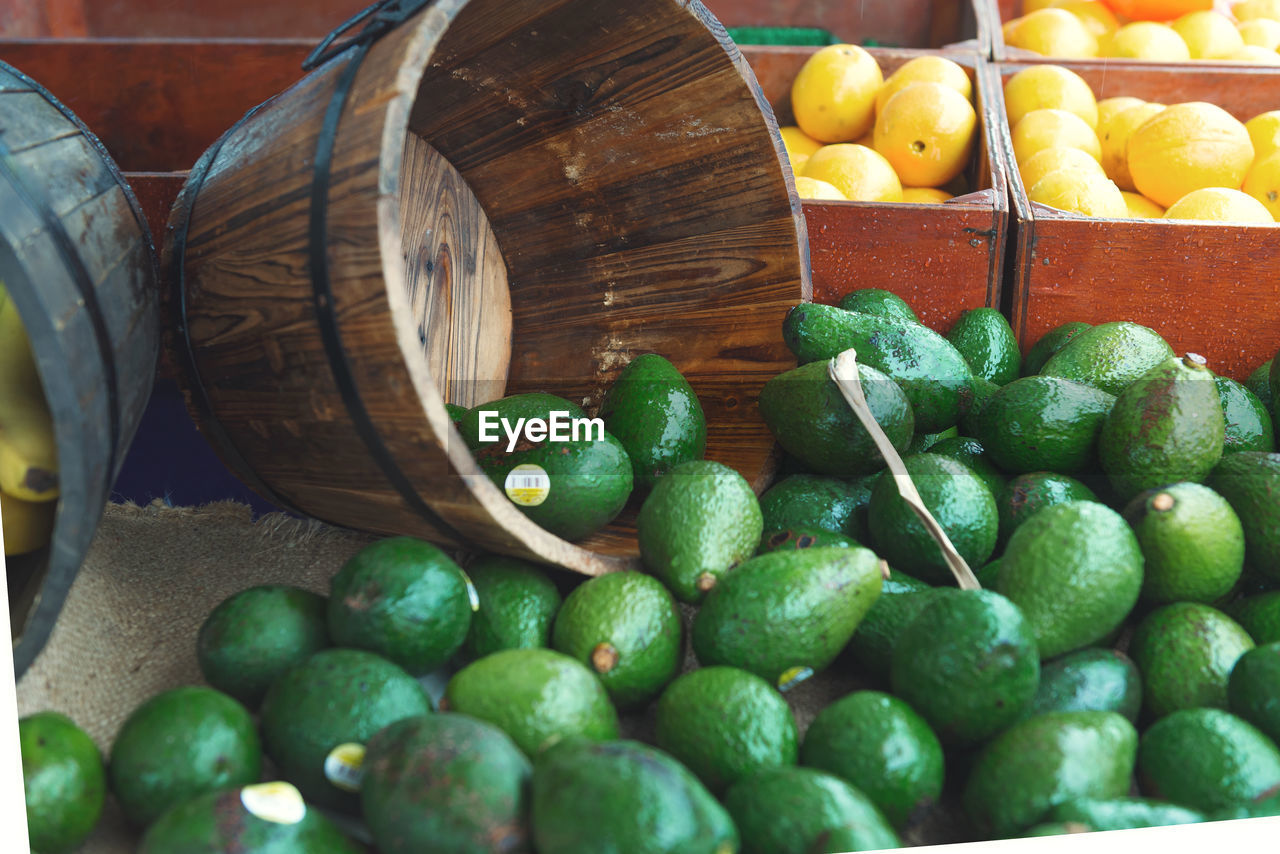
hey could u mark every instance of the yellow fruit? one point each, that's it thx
(1260, 32)
(1209, 35)
(1263, 183)
(1041, 129)
(925, 195)
(1219, 204)
(1250, 9)
(1114, 136)
(799, 146)
(926, 132)
(1049, 160)
(1053, 32)
(812, 188)
(27, 525)
(1140, 207)
(1186, 147)
(1264, 133)
(1079, 192)
(1109, 108)
(1256, 55)
(834, 95)
(1094, 14)
(860, 173)
(1049, 87)
(925, 69)
(1146, 40)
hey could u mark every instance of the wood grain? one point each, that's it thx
(632, 183)
(942, 259)
(199, 19)
(78, 264)
(1212, 289)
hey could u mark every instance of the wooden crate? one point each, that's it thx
(886, 23)
(1209, 288)
(943, 258)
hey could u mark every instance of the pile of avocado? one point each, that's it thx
(1119, 668)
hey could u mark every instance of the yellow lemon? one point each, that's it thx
(812, 188)
(1185, 147)
(925, 195)
(1094, 14)
(1054, 32)
(1049, 160)
(1041, 129)
(1264, 133)
(860, 173)
(1208, 34)
(1263, 183)
(1109, 108)
(799, 146)
(1219, 204)
(1114, 136)
(834, 95)
(926, 132)
(1250, 9)
(1086, 193)
(1146, 40)
(925, 69)
(1140, 207)
(1049, 87)
(1260, 32)
(1256, 55)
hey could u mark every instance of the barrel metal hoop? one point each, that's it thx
(88, 294)
(326, 313)
(381, 17)
(186, 351)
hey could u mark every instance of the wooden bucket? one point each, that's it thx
(78, 261)
(494, 196)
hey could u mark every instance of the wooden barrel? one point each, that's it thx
(78, 261)
(495, 196)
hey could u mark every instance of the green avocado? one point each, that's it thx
(1124, 813)
(1108, 356)
(1207, 759)
(336, 697)
(985, 339)
(724, 724)
(1247, 421)
(1092, 679)
(929, 369)
(1166, 427)
(1259, 615)
(589, 476)
(1049, 343)
(882, 747)
(802, 538)
(803, 810)
(1252, 688)
(518, 604)
(1043, 424)
(1192, 542)
(404, 599)
(697, 523)
(445, 782)
(63, 780)
(1185, 652)
(812, 421)
(968, 664)
(1259, 382)
(269, 818)
(879, 302)
(787, 614)
(922, 442)
(871, 647)
(1250, 481)
(983, 391)
(1047, 760)
(255, 635)
(969, 452)
(586, 798)
(816, 501)
(653, 411)
(179, 744)
(1028, 494)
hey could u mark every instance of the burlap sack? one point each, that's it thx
(128, 628)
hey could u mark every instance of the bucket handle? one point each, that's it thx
(382, 17)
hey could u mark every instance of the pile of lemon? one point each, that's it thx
(1125, 157)
(861, 137)
(1166, 30)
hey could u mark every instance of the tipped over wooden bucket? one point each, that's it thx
(491, 197)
